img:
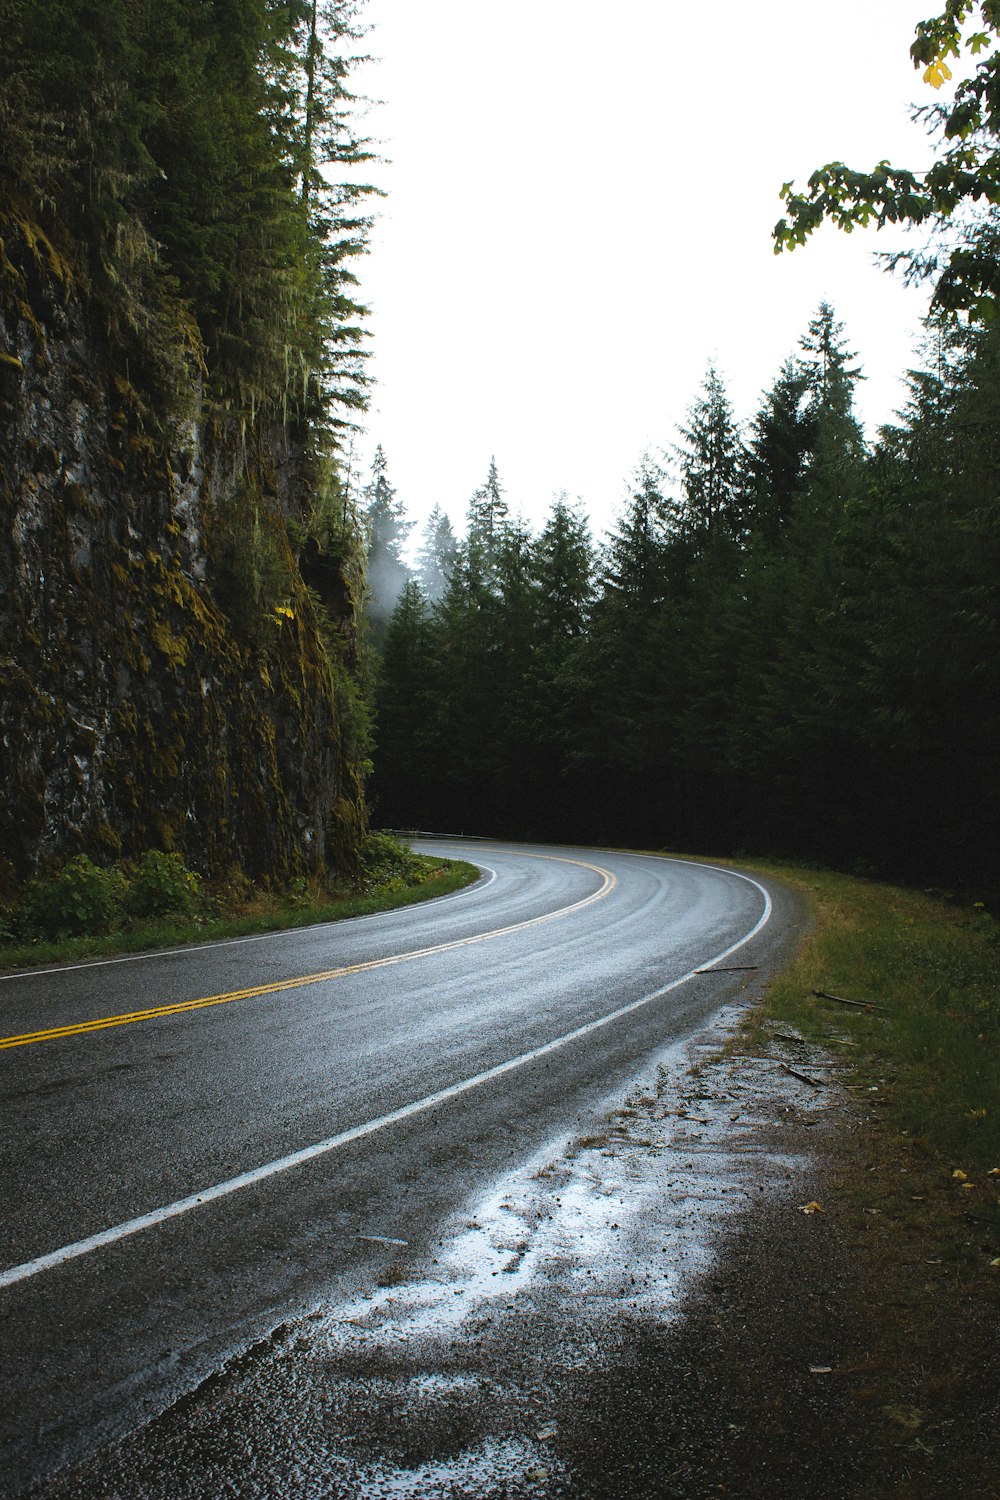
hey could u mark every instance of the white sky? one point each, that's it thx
(580, 200)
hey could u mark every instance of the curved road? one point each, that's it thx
(197, 1143)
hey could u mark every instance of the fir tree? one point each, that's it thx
(488, 511)
(436, 554)
(778, 451)
(407, 786)
(387, 530)
(563, 564)
(711, 461)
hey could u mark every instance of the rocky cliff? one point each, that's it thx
(166, 679)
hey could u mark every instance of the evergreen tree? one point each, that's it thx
(563, 566)
(436, 555)
(629, 674)
(711, 462)
(163, 148)
(778, 451)
(826, 363)
(488, 511)
(799, 730)
(931, 613)
(387, 529)
(634, 574)
(549, 706)
(466, 621)
(408, 785)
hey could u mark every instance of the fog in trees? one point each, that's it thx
(786, 644)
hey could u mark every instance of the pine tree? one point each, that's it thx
(563, 564)
(164, 146)
(549, 704)
(387, 529)
(711, 462)
(436, 554)
(407, 788)
(488, 511)
(634, 574)
(628, 674)
(930, 613)
(466, 621)
(778, 451)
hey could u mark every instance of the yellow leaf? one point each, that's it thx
(993, 1172)
(968, 1185)
(937, 73)
(959, 1175)
(811, 1208)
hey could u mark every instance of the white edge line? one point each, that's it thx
(255, 937)
(321, 1148)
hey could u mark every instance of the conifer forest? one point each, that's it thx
(214, 640)
(788, 643)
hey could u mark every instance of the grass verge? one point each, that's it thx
(923, 1044)
(910, 1168)
(242, 912)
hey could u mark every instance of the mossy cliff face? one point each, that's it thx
(163, 680)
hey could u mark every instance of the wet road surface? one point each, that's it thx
(321, 1092)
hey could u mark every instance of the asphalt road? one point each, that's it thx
(180, 1181)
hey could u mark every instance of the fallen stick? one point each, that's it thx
(803, 1077)
(857, 1004)
(728, 969)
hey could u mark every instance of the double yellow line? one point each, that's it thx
(102, 1023)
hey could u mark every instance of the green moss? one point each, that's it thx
(173, 647)
(50, 261)
(27, 315)
(212, 721)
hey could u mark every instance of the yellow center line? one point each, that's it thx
(78, 1028)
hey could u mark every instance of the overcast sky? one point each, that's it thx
(579, 208)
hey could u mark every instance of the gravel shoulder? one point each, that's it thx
(693, 1299)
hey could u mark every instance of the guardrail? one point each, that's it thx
(425, 833)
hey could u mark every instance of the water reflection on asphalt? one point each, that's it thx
(459, 1370)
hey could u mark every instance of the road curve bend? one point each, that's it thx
(203, 1142)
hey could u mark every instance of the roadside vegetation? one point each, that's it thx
(917, 1045)
(86, 911)
(906, 1256)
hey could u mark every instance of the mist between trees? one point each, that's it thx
(788, 643)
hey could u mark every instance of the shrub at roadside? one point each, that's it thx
(387, 865)
(163, 886)
(85, 900)
(85, 911)
(81, 898)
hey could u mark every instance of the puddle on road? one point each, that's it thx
(452, 1378)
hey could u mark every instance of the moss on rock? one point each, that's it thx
(164, 681)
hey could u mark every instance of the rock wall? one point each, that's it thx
(163, 679)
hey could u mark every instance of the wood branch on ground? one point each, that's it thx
(857, 1004)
